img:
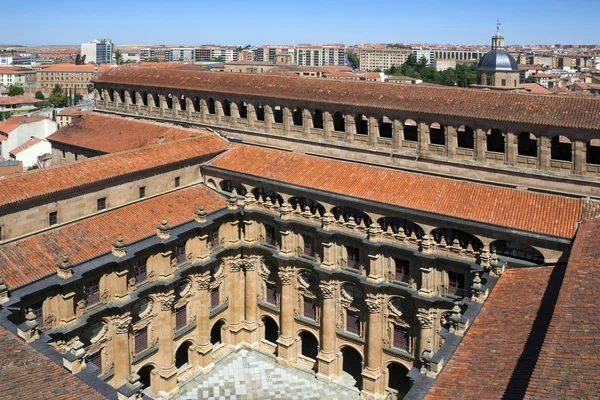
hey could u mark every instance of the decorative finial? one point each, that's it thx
(498, 26)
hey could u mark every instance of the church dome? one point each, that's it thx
(498, 60)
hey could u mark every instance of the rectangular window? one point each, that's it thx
(352, 322)
(91, 292)
(400, 338)
(96, 359)
(142, 192)
(402, 273)
(141, 340)
(101, 203)
(180, 318)
(308, 245)
(214, 238)
(177, 181)
(180, 253)
(39, 314)
(456, 284)
(214, 298)
(140, 271)
(353, 257)
(53, 218)
(271, 294)
(270, 235)
(310, 308)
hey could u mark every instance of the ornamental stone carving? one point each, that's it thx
(424, 318)
(327, 290)
(286, 275)
(203, 282)
(166, 301)
(373, 304)
(121, 324)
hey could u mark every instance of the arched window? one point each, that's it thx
(317, 117)
(386, 127)
(133, 98)
(453, 237)
(144, 374)
(307, 291)
(411, 131)
(362, 124)
(196, 103)
(339, 122)
(513, 249)
(169, 99)
(227, 108)
(352, 299)
(560, 148)
(263, 194)
(181, 355)
(211, 106)
(297, 116)
(593, 152)
(437, 134)
(156, 98)
(346, 212)
(270, 280)
(495, 140)
(228, 186)
(400, 323)
(398, 382)
(215, 333)
(271, 329)
(352, 364)
(310, 345)
(145, 98)
(300, 204)
(278, 115)
(464, 137)
(243, 109)
(399, 225)
(527, 144)
(260, 112)
(182, 102)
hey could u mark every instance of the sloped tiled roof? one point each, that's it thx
(28, 374)
(569, 361)
(457, 102)
(11, 123)
(20, 99)
(35, 257)
(31, 142)
(56, 179)
(495, 358)
(110, 134)
(511, 208)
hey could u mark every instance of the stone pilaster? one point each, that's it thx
(121, 353)
(166, 384)
(423, 138)
(426, 288)
(373, 131)
(285, 351)
(579, 157)
(372, 376)
(204, 347)
(425, 324)
(451, 142)
(480, 145)
(236, 299)
(251, 281)
(326, 357)
(327, 126)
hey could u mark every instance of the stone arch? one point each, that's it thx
(386, 127)
(211, 184)
(277, 114)
(226, 108)
(216, 332)
(561, 148)
(228, 185)
(437, 134)
(132, 97)
(156, 99)
(395, 224)
(243, 109)
(346, 212)
(518, 250)
(317, 118)
(144, 97)
(145, 374)
(308, 294)
(455, 237)
(263, 194)
(196, 103)
(339, 122)
(182, 102)
(495, 140)
(300, 204)
(411, 130)
(398, 382)
(271, 329)
(527, 144)
(260, 112)
(111, 95)
(362, 124)
(593, 152)
(352, 363)
(182, 354)
(210, 105)
(97, 96)
(169, 100)
(309, 344)
(297, 116)
(465, 137)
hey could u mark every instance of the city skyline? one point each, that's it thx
(338, 22)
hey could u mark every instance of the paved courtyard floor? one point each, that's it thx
(250, 375)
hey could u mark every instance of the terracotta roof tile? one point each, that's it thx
(569, 361)
(458, 102)
(10, 124)
(70, 111)
(28, 374)
(31, 142)
(18, 100)
(111, 134)
(495, 358)
(511, 208)
(46, 181)
(34, 257)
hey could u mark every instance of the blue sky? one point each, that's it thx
(36, 22)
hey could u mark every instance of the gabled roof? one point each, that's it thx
(436, 100)
(56, 179)
(31, 142)
(70, 111)
(510, 208)
(35, 257)
(20, 99)
(109, 134)
(12, 123)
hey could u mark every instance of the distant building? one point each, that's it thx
(15, 131)
(68, 76)
(498, 68)
(317, 56)
(65, 117)
(97, 51)
(22, 77)
(452, 54)
(15, 60)
(29, 152)
(180, 54)
(382, 59)
(428, 54)
(18, 103)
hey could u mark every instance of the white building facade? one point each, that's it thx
(97, 51)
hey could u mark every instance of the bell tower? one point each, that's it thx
(498, 39)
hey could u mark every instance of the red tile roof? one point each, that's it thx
(511, 208)
(494, 360)
(56, 179)
(71, 111)
(12, 123)
(535, 88)
(35, 257)
(438, 100)
(12, 100)
(569, 361)
(28, 374)
(31, 142)
(110, 134)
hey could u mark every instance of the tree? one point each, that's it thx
(78, 98)
(353, 60)
(54, 115)
(90, 87)
(58, 98)
(422, 62)
(79, 59)
(119, 57)
(39, 95)
(15, 90)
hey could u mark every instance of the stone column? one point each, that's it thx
(167, 373)
(510, 148)
(544, 152)
(121, 353)
(203, 110)
(373, 131)
(251, 114)
(451, 142)
(326, 356)
(203, 346)
(397, 134)
(306, 122)
(327, 125)
(423, 144)
(480, 145)
(425, 323)
(285, 350)
(579, 157)
(251, 300)
(372, 382)
(218, 111)
(236, 298)
(349, 127)
(287, 116)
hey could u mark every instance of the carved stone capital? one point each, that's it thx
(327, 290)
(286, 275)
(121, 324)
(166, 301)
(374, 303)
(424, 318)
(203, 282)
